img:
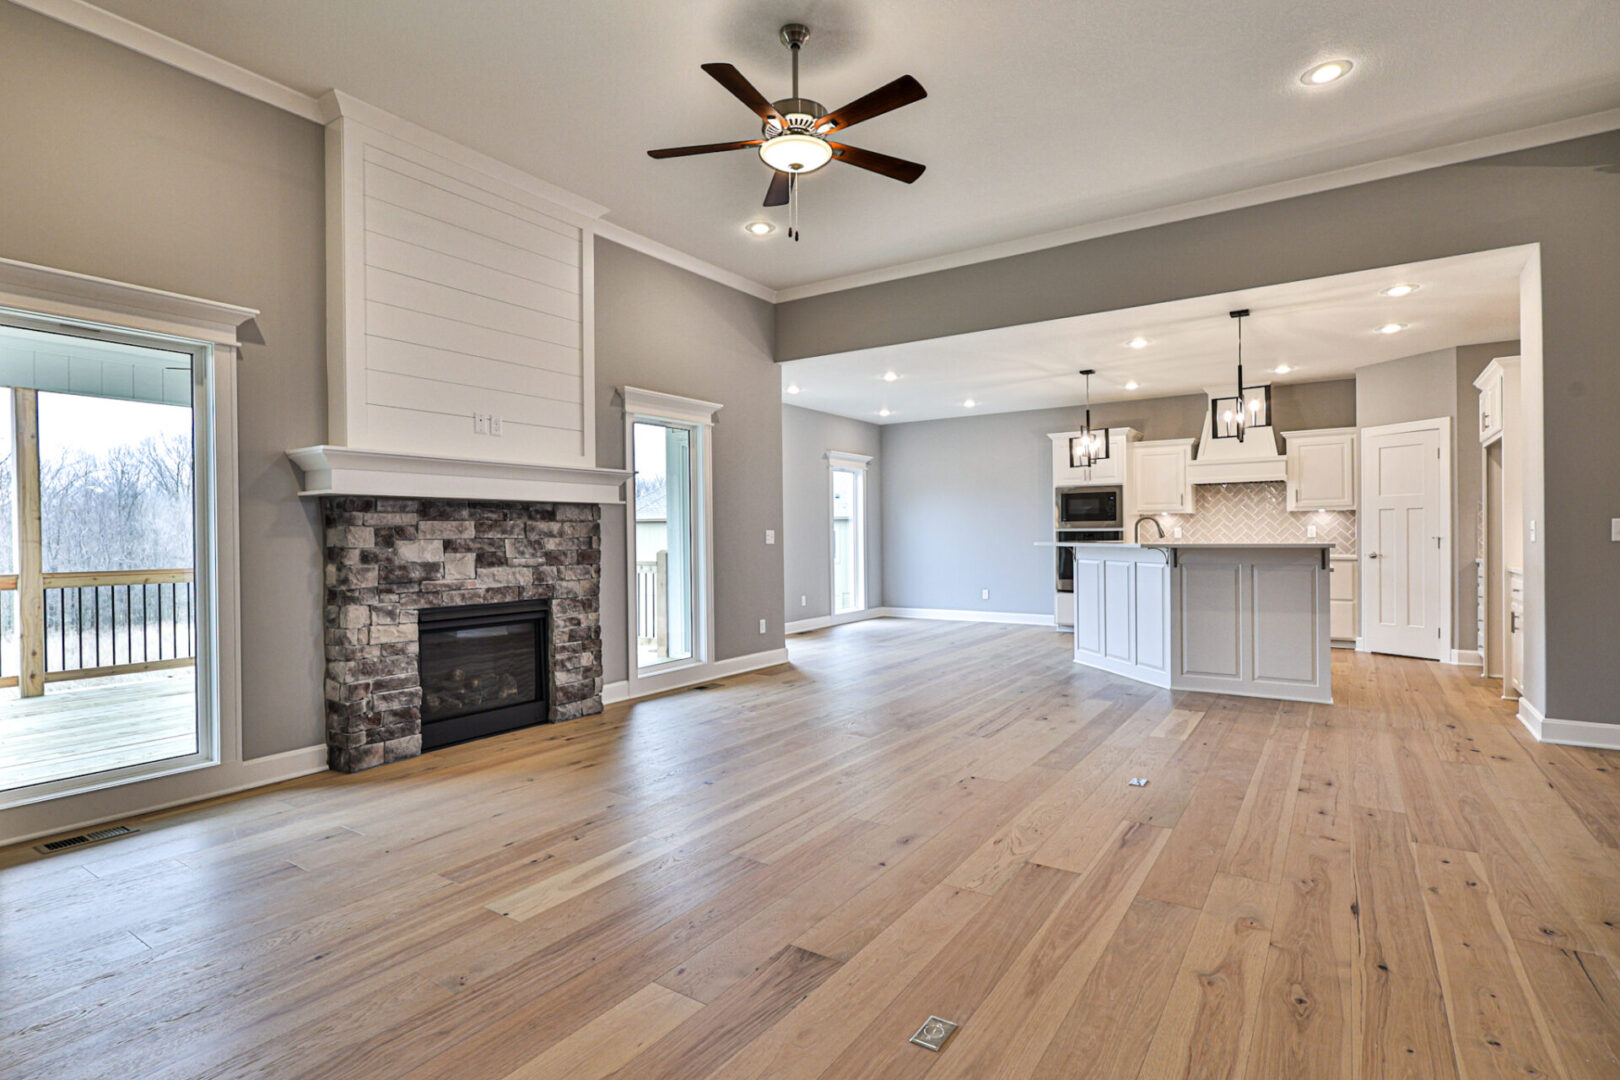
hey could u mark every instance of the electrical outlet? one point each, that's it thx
(984, 594)
(803, 600)
(1614, 530)
(762, 626)
(1310, 532)
(495, 426)
(1177, 532)
(480, 424)
(770, 536)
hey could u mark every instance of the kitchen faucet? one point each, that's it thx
(1136, 531)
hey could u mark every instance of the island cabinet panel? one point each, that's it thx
(1250, 620)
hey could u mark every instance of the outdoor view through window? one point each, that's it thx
(98, 619)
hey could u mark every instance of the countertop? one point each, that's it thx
(1181, 544)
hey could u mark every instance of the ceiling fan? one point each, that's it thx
(794, 138)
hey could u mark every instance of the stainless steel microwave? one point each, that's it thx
(1090, 508)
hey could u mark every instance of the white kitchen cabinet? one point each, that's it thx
(1322, 469)
(1159, 481)
(1343, 600)
(1491, 404)
(1110, 470)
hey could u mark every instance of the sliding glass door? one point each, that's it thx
(99, 589)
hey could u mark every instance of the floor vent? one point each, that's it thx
(708, 686)
(94, 837)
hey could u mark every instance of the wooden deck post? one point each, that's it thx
(30, 557)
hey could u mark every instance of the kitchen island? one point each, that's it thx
(1244, 619)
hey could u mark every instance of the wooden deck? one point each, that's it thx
(78, 728)
(785, 876)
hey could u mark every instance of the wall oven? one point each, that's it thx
(1065, 556)
(1090, 508)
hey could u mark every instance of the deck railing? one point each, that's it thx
(109, 622)
(652, 599)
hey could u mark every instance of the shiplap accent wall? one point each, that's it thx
(455, 288)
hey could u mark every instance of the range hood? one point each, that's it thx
(1228, 461)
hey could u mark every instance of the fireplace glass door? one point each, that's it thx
(482, 668)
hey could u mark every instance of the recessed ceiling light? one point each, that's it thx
(1326, 72)
(1281, 369)
(884, 412)
(1398, 290)
(793, 388)
(1137, 343)
(889, 376)
(1391, 328)
(1133, 385)
(969, 403)
(759, 228)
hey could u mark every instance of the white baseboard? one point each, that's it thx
(1019, 618)
(615, 692)
(1568, 732)
(74, 813)
(821, 622)
(1468, 657)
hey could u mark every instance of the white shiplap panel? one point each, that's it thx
(426, 362)
(411, 431)
(435, 202)
(386, 219)
(399, 257)
(428, 395)
(387, 287)
(405, 324)
(478, 193)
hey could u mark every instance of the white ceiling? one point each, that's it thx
(1322, 329)
(1041, 115)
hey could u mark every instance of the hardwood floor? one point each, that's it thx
(785, 876)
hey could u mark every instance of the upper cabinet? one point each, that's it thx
(1110, 470)
(1159, 477)
(1492, 405)
(1322, 469)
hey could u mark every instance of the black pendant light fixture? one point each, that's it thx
(1091, 445)
(1230, 417)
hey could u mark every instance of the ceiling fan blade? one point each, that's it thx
(777, 193)
(903, 91)
(732, 79)
(707, 148)
(895, 168)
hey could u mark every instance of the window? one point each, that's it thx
(668, 522)
(848, 512)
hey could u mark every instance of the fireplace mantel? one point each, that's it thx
(342, 470)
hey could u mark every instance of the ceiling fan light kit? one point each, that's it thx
(794, 130)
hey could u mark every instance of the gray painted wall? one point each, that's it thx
(1564, 197)
(807, 435)
(965, 499)
(663, 328)
(122, 167)
(1422, 387)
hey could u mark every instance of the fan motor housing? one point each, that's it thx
(800, 115)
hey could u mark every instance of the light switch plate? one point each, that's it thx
(762, 626)
(495, 426)
(984, 594)
(1614, 530)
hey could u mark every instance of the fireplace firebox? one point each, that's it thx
(484, 669)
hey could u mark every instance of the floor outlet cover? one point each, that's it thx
(1138, 781)
(933, 1033)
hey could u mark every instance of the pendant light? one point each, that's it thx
(1250, 407)
(1091, 445)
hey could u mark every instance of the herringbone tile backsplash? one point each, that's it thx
(1258, 514)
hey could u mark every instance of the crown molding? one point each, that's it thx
(188, 58)
(608, 230)
(1453, 154)
(177, 54)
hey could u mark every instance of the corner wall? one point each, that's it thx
(806, 536)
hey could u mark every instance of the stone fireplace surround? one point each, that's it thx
(388, 558)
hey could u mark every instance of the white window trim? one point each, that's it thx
(848, 462)
(215, 329)
(697, 416)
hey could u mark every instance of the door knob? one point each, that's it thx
(1372, 554)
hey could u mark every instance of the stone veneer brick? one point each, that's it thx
(386, 559)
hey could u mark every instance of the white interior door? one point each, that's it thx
(1405, 538)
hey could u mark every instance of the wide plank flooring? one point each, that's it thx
(785, 875)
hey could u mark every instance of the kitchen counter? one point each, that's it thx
(1244, 619)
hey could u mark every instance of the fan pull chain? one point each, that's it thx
(793, 206)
